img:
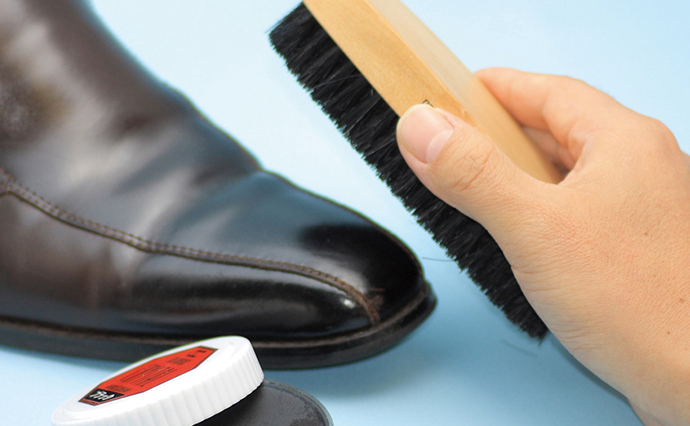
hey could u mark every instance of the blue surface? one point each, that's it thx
(466, 365)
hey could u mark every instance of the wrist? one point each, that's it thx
(660, 388)
(646, 418)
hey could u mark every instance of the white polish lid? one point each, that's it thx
(179, 387)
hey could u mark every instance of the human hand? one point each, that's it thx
(603, 257)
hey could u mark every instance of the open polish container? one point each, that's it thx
(215, 382)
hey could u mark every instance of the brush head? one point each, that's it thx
(367, 121)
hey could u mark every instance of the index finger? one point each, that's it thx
(571, 110)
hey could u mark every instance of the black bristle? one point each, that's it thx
(367, 121)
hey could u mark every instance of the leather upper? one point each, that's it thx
(121, 207)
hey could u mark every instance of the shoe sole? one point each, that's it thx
(279, 355)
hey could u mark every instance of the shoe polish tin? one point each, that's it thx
(180, 387)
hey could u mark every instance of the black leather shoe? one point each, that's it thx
(130, 224)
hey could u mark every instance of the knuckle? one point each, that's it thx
(662, 132)
(656, 139)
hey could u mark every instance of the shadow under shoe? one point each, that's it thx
(130, 224)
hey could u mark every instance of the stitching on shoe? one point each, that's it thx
(5, 180)
(9, 186)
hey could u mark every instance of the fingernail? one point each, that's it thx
(424, 132)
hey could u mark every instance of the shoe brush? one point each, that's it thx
(365, 62)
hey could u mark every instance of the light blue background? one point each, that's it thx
(466, 365)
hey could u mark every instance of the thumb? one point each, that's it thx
(464, 168)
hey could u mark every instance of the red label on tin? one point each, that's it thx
(148, 375)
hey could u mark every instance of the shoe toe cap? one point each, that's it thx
(276, 261)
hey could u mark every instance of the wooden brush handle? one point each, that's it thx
(407, 65)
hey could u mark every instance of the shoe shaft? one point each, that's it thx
(76, 107)
(56, 60)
